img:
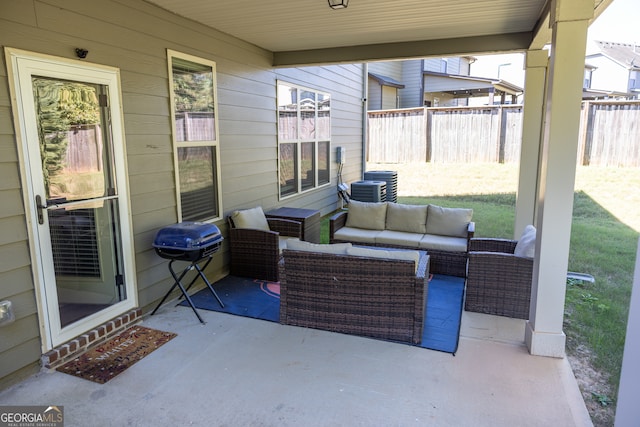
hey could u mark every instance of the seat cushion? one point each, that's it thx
(448, 221)
(443, 243)
(370, 216)
(399, 238)
(384, 254)
(526, 246)
(250, 218)
(336, 248)
(409, 218)
(360, 235)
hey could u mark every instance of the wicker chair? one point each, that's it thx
(498, 282)
(255, 253)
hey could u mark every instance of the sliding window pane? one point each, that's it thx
(307, 167)
(287, 113)
(307, 115)
(324, 123)
(288, 169)
(198, 183)
(323, 162)
(194, 106)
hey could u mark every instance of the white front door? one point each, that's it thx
(74, 177)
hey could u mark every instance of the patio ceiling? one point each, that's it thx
(305, 32)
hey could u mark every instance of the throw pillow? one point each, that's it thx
(409, 218)
(448, 221)
(250, 218)
(526, 246)
(371, 216)
(336, 248)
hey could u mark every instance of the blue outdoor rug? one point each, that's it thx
(261, 300)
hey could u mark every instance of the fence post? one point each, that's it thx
(584, 144)
(427, 131)
(588, 141)
(502, 133)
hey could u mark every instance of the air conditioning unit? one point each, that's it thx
(369, 191)
(390, 177)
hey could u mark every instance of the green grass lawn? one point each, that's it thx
(604, 238)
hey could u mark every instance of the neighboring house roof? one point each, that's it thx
(602, 94)
(386, 81)
(482, 83)
(625, 54)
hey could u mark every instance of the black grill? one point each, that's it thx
(188, 241)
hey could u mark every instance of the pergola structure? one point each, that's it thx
(553, 35)
(470, 86)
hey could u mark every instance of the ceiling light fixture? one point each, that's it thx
(338, 4)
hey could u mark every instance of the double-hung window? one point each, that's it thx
(195, 137)
(304, 138)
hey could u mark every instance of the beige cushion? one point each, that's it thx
(285, 241)
(399, 238)
(448, 221)
(409, 218)
(359, 235)
(443, 243)
(336, 248)
(526, 246)
(381, 253)
(250, 218)
(370, 216)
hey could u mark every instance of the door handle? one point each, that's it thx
(40, 207)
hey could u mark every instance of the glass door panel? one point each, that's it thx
(81, 200)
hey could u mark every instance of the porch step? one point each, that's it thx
(75, 347)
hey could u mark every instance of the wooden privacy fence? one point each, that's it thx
(609, 134)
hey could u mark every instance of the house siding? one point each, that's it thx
(608, 75)
(381, 97)
(374, 98)
(133, 36)
(411, 95)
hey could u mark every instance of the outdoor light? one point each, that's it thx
(338, 4)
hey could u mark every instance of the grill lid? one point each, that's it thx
(187, 236)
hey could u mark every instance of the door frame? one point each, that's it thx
(20, 65)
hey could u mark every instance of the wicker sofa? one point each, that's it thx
(443, 232)
(355, 294)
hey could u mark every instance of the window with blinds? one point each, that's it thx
(195, 137)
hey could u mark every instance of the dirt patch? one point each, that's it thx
(594, 386)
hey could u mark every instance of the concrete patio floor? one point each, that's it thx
(237, 371)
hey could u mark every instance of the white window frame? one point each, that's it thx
(215, 144)
(299, 141)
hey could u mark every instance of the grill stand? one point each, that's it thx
(178, 282)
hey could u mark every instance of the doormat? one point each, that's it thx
(111, 358)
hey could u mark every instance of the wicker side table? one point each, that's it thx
(309, 218)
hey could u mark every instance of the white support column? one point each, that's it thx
(569, 21)
(627, 409)
(536, 62)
